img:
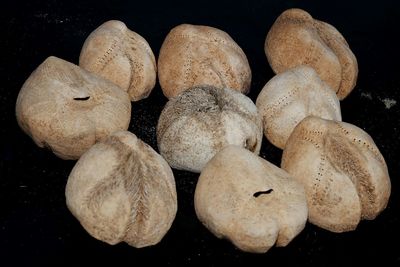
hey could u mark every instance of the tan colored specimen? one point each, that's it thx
(297, 39)
(122, 190)
(291, 96)
(68, 109)
(194, 55)
(198, 123)
(251, 202)
(344, 174)
(121, 56)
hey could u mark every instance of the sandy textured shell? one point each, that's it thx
(198, 123)
(121, 56)
(121, 190)
(193, 55)
(297, 39)
(251, 202)
(67, 109)
(291, 96)
(344, 174)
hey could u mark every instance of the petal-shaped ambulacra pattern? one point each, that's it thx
(344, 174)
(121, 56)
(297, 39)
(194, 55)
(121, 190)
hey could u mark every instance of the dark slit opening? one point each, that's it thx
(257, 194)
(82, 98)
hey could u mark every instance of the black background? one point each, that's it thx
(36, 228)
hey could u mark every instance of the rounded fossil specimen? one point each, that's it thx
(193, 55)
(297, 39)
(68, 109)
(291, 96)
(198, 123)
(122, 190)
(344, 174)
(251, 202)
(121, 56)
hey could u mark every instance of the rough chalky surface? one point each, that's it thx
(344, 174)
(121, 190)
(121, 56)
(68, 109)
(298, 39)
(198, 123)
(291, 96)
(194, 55)
(251, 202)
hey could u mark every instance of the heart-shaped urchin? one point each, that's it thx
(291, 96)
(251, 202)
(344, 174)
(297, 39)
(68, 109)
(121, 56)
(194, 55)
(200, 121)
(122, 190)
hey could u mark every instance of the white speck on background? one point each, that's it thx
(366, 95)
(50, 19)
(388, 102)
(41, 15)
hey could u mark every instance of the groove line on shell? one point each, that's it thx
(283, 101)
(358, 142)
(110, 54)
(120, 177)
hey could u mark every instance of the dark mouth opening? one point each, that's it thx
(82, 98)
(257, 194)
